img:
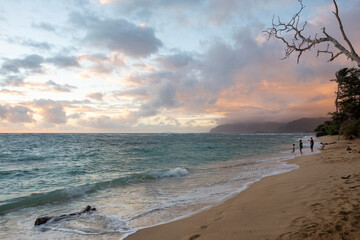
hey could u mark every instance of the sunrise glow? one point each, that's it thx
(164, 66)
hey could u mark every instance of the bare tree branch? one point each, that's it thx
(301, 43)
(342, 28)
(333, 56)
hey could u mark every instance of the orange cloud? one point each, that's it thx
(10, 92)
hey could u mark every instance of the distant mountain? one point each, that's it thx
(300, 125)
(266, 127)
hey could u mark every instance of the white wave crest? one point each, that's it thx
(177, 172)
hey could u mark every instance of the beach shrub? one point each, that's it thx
(333, 128)
(321, 128)
(351, 128)
(330, 127)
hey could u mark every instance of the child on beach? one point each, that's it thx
(300, 146)
(293, 148)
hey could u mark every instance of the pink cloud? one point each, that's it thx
(16, 114)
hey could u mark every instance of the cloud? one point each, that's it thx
(100, 64)
(75, 116)
(97, 96)
(95, 58)
(10, 92)
(37, 45)
(160, 97)
(2, 18)
(207, 12)
(51, 111)
(105, 122)
(219, 66)
(196, 83)
(173, 6)
(232, 74)
(117, 35)
(175, 61)
(63, 61)
(30, 43)
(156, 94)
(145, 9)
(15, 71)
(31, 62)
(17, 114)
(13, 80)
(44, 26)
(154, 77)
(238, 80)
(58, 87)
(133, 92)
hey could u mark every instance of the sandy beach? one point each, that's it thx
(320, 200)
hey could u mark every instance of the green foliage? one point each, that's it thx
(346, 120)
(320, 128)
(351, 128)
(348, 94)
(330, 127)
(333, 128)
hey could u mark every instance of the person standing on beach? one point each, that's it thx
(293, 148)
(311, 144)
(300, 146)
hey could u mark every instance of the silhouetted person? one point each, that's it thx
(311, 144)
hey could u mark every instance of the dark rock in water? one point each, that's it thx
(320, 134)
(43, 220)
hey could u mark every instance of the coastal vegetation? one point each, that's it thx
(346, 119)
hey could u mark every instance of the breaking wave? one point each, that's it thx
(66, 194)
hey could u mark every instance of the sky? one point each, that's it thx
(139, 66)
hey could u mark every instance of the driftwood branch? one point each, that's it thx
(42, 220)
(301, 43)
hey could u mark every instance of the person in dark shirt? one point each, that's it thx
(311, 144)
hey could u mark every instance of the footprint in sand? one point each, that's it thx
(193, 237)
(203, 227)
(219, 216)
(297, 220)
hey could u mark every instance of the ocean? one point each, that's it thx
(133, 180)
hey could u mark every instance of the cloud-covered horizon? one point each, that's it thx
(132, 66)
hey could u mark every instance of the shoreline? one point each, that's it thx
(308, 202)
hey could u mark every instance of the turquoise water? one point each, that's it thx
(134, 180)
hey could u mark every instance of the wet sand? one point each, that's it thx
(320, 200)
